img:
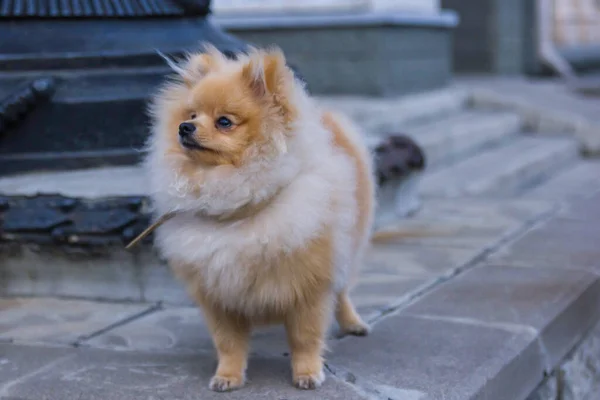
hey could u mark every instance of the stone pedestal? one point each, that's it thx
(97, 67)
(383, 53)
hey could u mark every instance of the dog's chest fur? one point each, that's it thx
(301, 239)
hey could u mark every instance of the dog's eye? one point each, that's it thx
(193, 116)
(223, 122)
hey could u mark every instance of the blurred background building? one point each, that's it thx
(64, 63)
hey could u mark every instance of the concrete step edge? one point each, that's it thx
(519, 163)
(541, 119)
(387, 116)
(456, 137)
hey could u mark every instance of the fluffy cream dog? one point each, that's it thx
(274, 202)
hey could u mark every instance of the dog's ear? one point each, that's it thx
(196, 65)
(266, 72)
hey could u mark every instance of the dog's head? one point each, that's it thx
(223, 111)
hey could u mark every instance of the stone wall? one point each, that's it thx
(578, 378)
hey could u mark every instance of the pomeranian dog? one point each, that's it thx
(273, 202)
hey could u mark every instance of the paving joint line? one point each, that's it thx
(514, 234)
(365, 388)
(83, 338)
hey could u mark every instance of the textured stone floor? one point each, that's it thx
(508, 305)
(486, 306)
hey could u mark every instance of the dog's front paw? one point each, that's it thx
(358, 329)
(309, 381)
(220, 383)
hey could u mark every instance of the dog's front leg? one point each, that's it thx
(230, 334)
(306, 327)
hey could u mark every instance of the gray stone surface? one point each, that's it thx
(395, 272)
(446, 234)
(446, 326)
(179, 329)
(182, 330)
(578, 377)
(108, 375)
(569, 184)
(91, 183)
(560, 306)
(29, 270)
(468, 222)
(60, 321)
(561, 243)
(463, 134)
(384, 115)
(504, 171)
(580, 373)
(441, 360)
(547, 106)
(392, 275)
(20, 362)
(584, 209)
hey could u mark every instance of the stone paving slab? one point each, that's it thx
(18, 362)
(60, 321)
(181, 330)
(469, 222)
(393, 274)
(560, 306)
(561, 243)
(570, 184)
(87, 374)
(436, 359)
(585, 209)
(447, 235)
(170, 329)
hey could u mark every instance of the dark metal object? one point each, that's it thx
(397, 157)
(66, 221)
(32, 219)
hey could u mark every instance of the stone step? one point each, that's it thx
(572, 183)
(445, 324)
(452, 138)
(85, 257)
(504, 171)
(391, 115)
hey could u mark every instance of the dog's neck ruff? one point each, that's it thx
(243, 212)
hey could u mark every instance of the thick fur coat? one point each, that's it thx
(275, 200)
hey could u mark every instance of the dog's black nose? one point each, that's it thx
(186, 129)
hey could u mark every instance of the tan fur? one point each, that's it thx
(275, 211)
(365, 187)
(295, 292)
(346, 315)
